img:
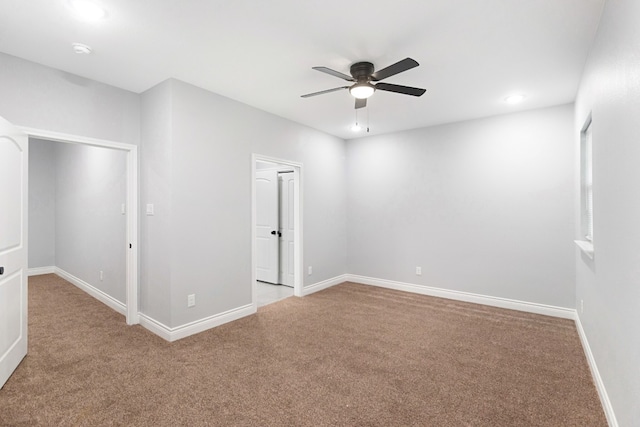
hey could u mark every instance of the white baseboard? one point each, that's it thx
(158, 328)
(548, 310)
(41, 270)
(308, 290)
(183, 331)
(93, 291)
(152, 325)
(602, 392)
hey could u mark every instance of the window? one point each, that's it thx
(585, 242)
(586, 180)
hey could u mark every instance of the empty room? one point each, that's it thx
(320, 213)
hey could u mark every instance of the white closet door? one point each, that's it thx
(267, 226)
(13, 248)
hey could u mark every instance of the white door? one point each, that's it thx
(286, 180)
(267, 226)
(13, 248)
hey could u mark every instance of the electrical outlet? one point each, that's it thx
(191, 300)
(581, 306)
(101, 275)
(310, 270)
(418, 271)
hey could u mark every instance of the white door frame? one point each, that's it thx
(297, 223)
(131, 151)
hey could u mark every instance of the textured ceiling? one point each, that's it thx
(472, 53)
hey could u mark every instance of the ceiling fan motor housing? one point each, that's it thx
(361, 71)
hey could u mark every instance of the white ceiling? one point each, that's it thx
(472, 53)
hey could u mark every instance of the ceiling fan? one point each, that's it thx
(362, 74)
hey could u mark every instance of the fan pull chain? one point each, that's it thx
(367, 118)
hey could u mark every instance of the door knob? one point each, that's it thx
(1, 271)
(273, 232)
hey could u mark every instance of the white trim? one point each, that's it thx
(298, 265)
(132, 237)
(602, 391)
(585, 246)
(67, 137)
(278, 169)
(36, 271)
(158, 328)
(254, 250)
(530, 307)
(308, 290)
(131, 211)
(297, 224)
(93, 291)
(192, 328)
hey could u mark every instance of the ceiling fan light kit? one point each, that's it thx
(363, 73)
(362, 90)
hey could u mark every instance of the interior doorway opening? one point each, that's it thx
(77, 217)
(130, 210)
(277, 230)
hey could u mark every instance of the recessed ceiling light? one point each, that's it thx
(515, 99)
(87, 10)
(81, 49)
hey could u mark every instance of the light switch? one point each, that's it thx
(123, 209)
(150, 209)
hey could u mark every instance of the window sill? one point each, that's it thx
(586, 247)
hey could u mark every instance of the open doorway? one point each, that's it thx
(77, 217)
(277, 230)
(128, 209)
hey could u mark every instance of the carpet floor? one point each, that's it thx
(351, 355)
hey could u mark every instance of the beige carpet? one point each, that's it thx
(351, 355)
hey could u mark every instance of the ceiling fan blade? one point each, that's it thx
(334, 73)
(405, 90)
(361, 103)
(324, 91)
(392, 70)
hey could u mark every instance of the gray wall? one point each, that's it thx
(90, 228)
(42, 204)
(484, 206)
(156, 188)
(75, 197)
(610, 284)
(45, 98)
(200, 183)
